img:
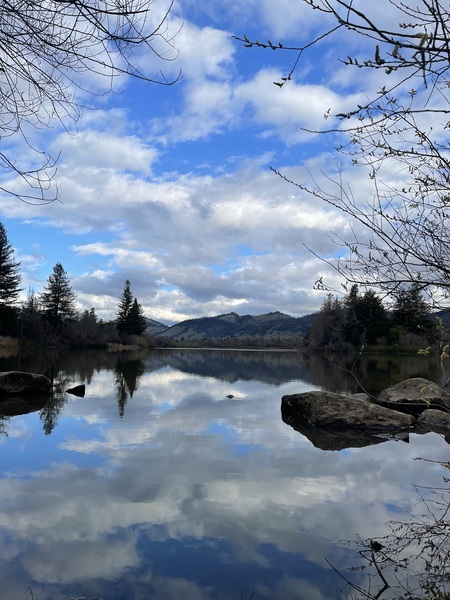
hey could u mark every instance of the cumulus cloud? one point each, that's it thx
(172, 189)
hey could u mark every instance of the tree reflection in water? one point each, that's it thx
(126, 377)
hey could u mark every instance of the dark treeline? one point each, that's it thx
(361, 320)
(51, 319)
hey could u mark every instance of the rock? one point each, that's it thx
(330, 410)
(19, 383)
(361, 396)
(78, 390)
(416, 395)
(434, 418)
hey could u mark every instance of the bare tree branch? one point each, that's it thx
(47, 49)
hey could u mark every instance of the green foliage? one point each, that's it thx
(9, 286)
(9, 271)
(360, 320)
(411, 312)
(123, 310)
(137, 323)
(130, 317)
(351, 322)
(58, 299)
(366, 318)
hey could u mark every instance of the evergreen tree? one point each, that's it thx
(9, 271)
(31, 318)
(411, 311)
(354, 327)
(136, 322)
(373, 317)
(328, 328)
(58, 299)
(130, 316)
(366, 317)
(124, 308)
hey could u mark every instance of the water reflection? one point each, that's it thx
(127, 373)
(185, 493)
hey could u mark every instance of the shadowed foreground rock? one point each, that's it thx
(19, 383)
(335, 421)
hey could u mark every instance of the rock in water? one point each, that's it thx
(327, 409)
(78, 390)
(20, 383)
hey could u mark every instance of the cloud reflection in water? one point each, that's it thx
(191, 494)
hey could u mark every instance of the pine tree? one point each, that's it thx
(9, 271)
(123, 310)
(58, 299)
(373, 316)
(136, 322)
(366, 317)
(130, 317)
(411, 311)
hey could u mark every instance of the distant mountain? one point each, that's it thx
(269, 326)
(155, 327)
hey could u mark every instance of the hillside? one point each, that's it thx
(271, 326)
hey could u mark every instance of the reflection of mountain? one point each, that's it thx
(269, 367)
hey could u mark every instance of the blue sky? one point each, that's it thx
(170, 187)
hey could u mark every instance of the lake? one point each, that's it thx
(175, 477)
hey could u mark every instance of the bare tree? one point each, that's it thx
(399, 135)
(412, 560)
(55, 54)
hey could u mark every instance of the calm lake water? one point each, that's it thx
(156, 485)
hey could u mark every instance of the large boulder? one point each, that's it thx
(19, 383)
(415, 395)
(435, 419)
(327, 409)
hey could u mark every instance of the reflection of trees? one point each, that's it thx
(413, 560)
(49, 415)
(270, 367)
(4, 422)
(375, 372)
(127, 375)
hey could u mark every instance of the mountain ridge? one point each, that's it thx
(267, 326)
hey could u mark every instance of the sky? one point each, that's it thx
(171, 187)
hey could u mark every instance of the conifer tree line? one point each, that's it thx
(51, 317)
(360, 320)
